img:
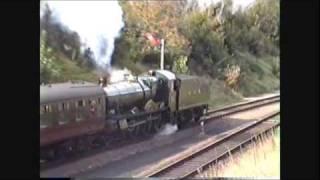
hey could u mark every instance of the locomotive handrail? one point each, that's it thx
(127, 116)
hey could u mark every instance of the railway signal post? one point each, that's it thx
(162, 55)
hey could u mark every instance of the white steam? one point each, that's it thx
(97, 22)
(168, 129)
(118, 75)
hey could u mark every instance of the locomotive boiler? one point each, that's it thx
(130, 96)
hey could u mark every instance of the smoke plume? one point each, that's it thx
(98, 23)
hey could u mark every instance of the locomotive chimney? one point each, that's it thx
(103, 81)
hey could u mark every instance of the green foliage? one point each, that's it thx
(265, 16)
(232, 76)
(257, 76)
(48, 70)
(221, 95)
(70, 70)
(56, 67)
(158, 17)
(180, 65)
(276, 67)
(206, 42)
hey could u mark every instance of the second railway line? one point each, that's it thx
(189, 164)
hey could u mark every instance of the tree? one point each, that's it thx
(158, 17)
(232, 75)
(265, 15)
(48, 70)
(180, 65)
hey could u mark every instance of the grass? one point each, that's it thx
(259, 76)
(221, 95)
(69, 70)
(259, 160)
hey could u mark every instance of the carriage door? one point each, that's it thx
(172, 96)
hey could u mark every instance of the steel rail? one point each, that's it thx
(242, 104)
(182, 160)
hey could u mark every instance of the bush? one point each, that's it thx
(221, 95)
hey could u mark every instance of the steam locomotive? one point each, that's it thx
(78, 116)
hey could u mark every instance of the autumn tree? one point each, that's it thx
(157, 17)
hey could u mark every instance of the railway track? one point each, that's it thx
(211, 115)
(188, 165)
(221, 112)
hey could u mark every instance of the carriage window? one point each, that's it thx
(64, 106)
(61, 107)
(80, 103)
(46, 108)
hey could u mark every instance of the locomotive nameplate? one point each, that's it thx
(123, 124)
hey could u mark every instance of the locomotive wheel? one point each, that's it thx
(131, 129)
(137, 130)
(134, 131)
(147, 130)
(149, 127)
(143, 129)
(65, 149)
(60, 152)
(180, 125)
(82, 145)
(48, 154)
(101, 141)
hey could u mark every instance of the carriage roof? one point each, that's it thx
(65, 91)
